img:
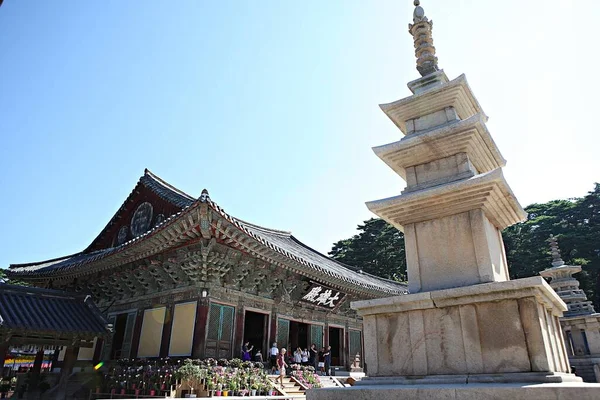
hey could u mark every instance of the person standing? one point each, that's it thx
(304, 358)
(298, 356)
(273, 353)
(246, 351)
(313, 356)
(258, 357)
(327, 360)
(281, 364)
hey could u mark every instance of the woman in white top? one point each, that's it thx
(305, 357)
(298, 355)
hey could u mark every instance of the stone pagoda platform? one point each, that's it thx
(580, 323)
(465, 331)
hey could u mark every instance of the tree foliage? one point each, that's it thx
(5, 279)
(378, 248)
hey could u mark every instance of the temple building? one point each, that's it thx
(177, 276)
(580, 323)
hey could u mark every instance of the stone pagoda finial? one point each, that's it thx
(557, 261)
(420, 29)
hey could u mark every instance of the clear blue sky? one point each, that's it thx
(270, 105)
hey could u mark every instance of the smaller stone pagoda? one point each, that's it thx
(580, 323)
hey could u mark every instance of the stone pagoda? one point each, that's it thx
(581, 323)
(565, 285)
(465, 330)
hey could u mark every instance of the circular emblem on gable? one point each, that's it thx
(122, 235)
(160, 218)
(141, 220)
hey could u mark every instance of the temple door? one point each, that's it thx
(316, 336)
(127, 338)
(283, 332)
(219, 336)
(355, 345)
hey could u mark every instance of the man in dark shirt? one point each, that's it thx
(313, 356)
(327, 359)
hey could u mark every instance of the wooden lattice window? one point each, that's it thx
(316, 335)
(355, 344)
(283, 332)
(219, 336)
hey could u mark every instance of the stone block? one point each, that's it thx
(494, 328)
(564, 391)
(466, 248)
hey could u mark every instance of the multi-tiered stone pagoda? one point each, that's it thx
(465, 330)
(580, 323)
(565, 285)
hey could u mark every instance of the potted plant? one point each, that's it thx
(210, 386)
(233, 386)
(191, 374)
(253, 388)
(4, 388)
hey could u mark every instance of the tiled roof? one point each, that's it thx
(286, 244)
(165, 190)
(282, 242)
(161, 188)
(49, 311)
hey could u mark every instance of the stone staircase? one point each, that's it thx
(79, 386)
(290, 386)
(330, 381)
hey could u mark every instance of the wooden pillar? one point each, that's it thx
(273, 331)
(65, 372)
(239, 331)
(200, 328)
(35, 371)
(347, 357)
(137, 331)
(98, 351)
(3, 350)
(166, 333)
(326, 335)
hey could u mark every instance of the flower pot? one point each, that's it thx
(122, 391)
(225, 393)
(152, 392)
(190, 395)
(253, 391)
(218, 393)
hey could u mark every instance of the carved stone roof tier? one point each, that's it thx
(455, 93)
(204, 219)
(49, 315)
(488, 191)
(469, 136)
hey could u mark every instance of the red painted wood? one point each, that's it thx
(137, 331)
(239, 332)
(140, 195)
(200, 328)
(167, 329)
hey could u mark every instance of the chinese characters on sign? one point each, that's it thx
(322, 296)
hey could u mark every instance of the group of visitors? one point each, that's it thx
(319, 359)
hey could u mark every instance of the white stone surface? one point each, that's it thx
(469, 136)
(493, 328)
(455, 93)
(563, 391)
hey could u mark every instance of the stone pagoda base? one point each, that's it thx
(475, 391)
(484, 330)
